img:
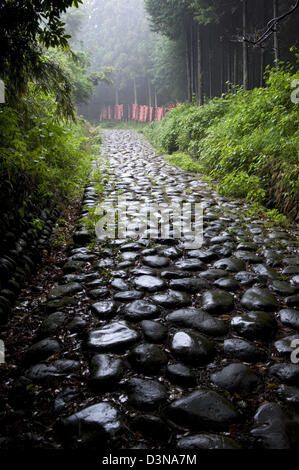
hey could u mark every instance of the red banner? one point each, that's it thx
(159, 113)
(143, 111)
(135, 111)
(151, 114)
(103, 115)
(118, 112)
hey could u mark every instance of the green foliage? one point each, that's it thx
(248, 140)
(169, 77)
(37, 224)
(41, 158)
(75, 67)
(185, 162)
(274, 217)
(24, 27)
(242, 185)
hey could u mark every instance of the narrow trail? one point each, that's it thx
(144, 344)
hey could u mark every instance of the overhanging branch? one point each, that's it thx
(271, 28)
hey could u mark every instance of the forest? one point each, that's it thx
(118, 332)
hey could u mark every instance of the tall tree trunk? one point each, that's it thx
(195, 58)
(156, 98)
(262, 67)
(135, 91)
(192, 60)
(245, 49)
(228, 72)
(149, 88)
(199, 67)
(188, 72)
(222, 66)
(276, 47)
(235, 77)
(210, 73)
(116, 97)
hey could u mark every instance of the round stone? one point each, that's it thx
(120, 284)
(290, 270)
(248, 278)
(199, 320)
(105, 370)
(289, 395)
(217, 301)
(237, 378)
(99, 293)
(144, 271)
(140, 310)
(254, 325)
(207, 441)
(147, 357)
(180, 374)
(248, 257)
(64, 290)
(287, 344)
(282, 288)
(174, 274)
(170, 252)
(191, 347)
(42, 350)
(265, 271)
(292, 301)
(149, 283)
(203, 409)
(105, 263)
(52, 323)
(55, 305)
(156, 261)
(192, 264)
(129, 256)
(287, 373)
(221, 250)
(128, 295)
(71, 266)
(77, 324)
(98, 423)
(151, 426)
(289, 317)
(213, 274)
(153, 331)
(220, 239)
(259, 299)
(230, 264)
(243, 350)
(146, 394)
(189, 284)
(112, 337)
(51, 373)
(273, 428)
(172, 298)
(104, 309)
(203, 255)
(227, 284)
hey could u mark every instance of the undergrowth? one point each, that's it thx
(247, 140)
(44, 160)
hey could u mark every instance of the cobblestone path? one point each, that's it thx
(146, 344)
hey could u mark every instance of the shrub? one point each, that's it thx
(248, 140)
(42, 159)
